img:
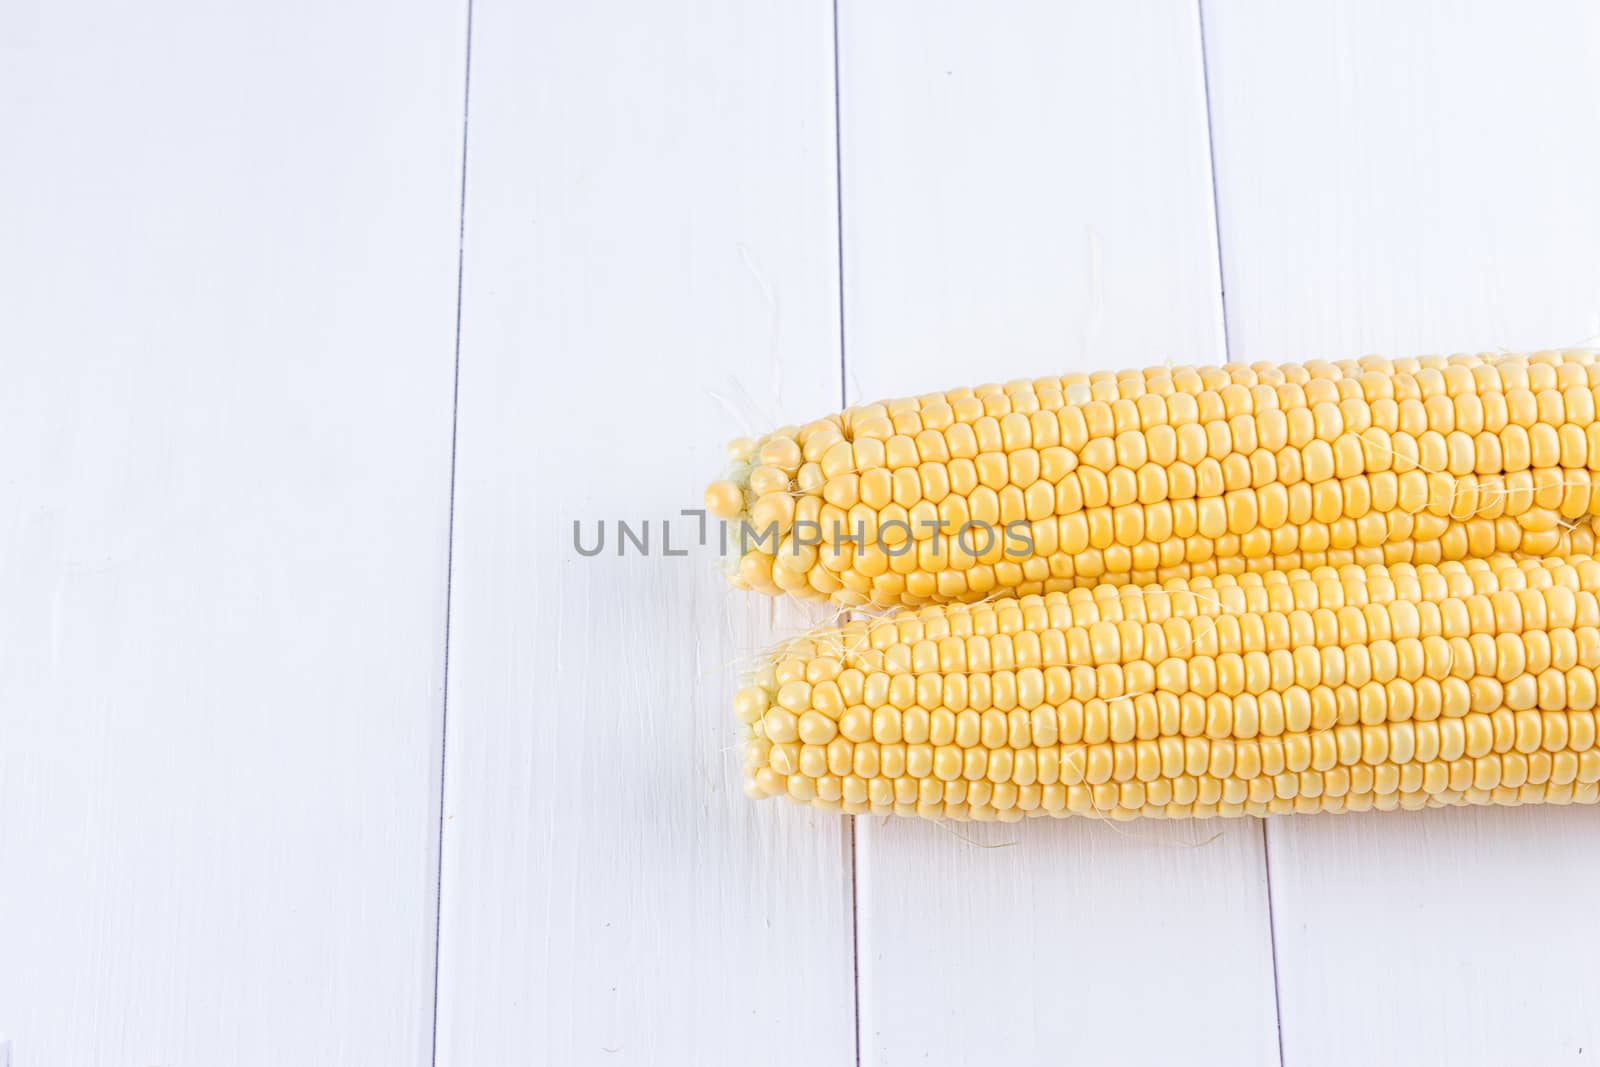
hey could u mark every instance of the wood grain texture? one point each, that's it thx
(1417, 180)
(651, 261)
(227, 267)
(1027, 190)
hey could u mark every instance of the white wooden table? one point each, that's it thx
(321, 744)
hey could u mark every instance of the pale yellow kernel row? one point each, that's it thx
(1163, 713)
(1204, 799)
(1482, 674)
(1131, 476)
(1566, 737)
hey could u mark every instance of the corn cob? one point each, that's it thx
(1332, 689)
(1142, 476)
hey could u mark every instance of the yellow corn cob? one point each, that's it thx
(1173, 472)
(1334, 689)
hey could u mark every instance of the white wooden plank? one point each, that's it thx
(227, 300)
(1417, 180)
(651, 257)
(1406, 178)
(1027, 190)
(1460, 936)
